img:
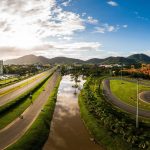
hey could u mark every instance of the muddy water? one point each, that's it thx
(68, 131)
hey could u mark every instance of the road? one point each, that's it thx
(114, 100)
(67, 130)
(145, 96)
(18, 127)
(17, 89)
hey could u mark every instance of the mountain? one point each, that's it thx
(28, 59)
(32, 59)
(118, 60)
(140, 58)
(65, 60)
(94, 61)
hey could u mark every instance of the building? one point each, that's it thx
(1, 67)
(145, 69)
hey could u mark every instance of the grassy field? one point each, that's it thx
(37, 134)
(127, 92)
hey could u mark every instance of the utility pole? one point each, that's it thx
(137, 108)
(121, 71)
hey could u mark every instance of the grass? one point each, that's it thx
(7, 81)
(101, 135)
(15, 108)
(37, 134)
(20, 86)
(127, 92)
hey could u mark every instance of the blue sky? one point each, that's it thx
(133, 13)
(74, 28)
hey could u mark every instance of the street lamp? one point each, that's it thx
(137, 106)
(121, 71)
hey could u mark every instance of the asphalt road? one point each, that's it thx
(114, 100)
(17, 92)
(18, 127)
(145, 96)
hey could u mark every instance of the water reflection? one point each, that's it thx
(67, 129)
(66, 87)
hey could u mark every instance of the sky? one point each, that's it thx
(81, 29)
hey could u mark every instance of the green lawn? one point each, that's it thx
(127, 92)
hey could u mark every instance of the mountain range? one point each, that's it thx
(32, 59)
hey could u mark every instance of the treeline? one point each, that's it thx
(85, 70)
(23, 69)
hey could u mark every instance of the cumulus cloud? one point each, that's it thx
(28, 27)
(66, 3)
(112, 3)
(107, 28)
(26, 23)
(50, 49)
(91, 20)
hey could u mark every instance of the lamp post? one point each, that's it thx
(121, 71)
(137, 106)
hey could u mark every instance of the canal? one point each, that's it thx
(67, 130)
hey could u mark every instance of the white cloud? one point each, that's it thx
(107, 28)
(66, 3)
(142, 18)
(125, 26)
(52, 49)
(91, 20)
(138, 16)
(84, 14)
(26, 23)
(100, 29)
(112, 3)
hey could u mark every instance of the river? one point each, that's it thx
(67, 130)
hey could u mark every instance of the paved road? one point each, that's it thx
(16, 129)
(67, 130)
(145, 96)
(31, 82)
(114, 100)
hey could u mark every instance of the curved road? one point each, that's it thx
(145, 96)
(18, 127)
(114, 100)
(30, 83)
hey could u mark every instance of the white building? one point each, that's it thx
(1, 67)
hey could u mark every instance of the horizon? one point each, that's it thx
(74, 29)
(72, 57)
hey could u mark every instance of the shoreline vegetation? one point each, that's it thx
(108, 125)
